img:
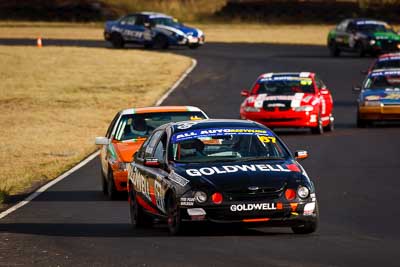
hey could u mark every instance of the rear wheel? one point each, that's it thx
(175, 225)
(194, 46)
(334, 51)
(360, 49)
(161, 42)
(116, 40)
(138, 217)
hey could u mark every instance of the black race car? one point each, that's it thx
(363, 36)
(223, 171)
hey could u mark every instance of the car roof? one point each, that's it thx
(304, 74)
(372, 21)
(389, 56)
(214, 123)
(152, 14)
(159, 109)
(383, 72)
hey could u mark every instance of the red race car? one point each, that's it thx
(289, 100)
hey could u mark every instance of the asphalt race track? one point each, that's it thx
(356, 172)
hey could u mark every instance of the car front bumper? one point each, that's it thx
(383, 112)
(282, 118)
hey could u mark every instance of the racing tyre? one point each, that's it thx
(333, 49)
(361, 123)
(103, 183)
(116, 40)
(111, 190)
(139, 218)
(331, 126)
(161, 42)
(308, 227)
(360, 49)
(194, 46)
(174, 221)
(319, 129)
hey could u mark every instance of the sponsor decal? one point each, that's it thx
(385, 73)
(251, 206)
(187, 201)
(202, 133)
(141, 184)
(388, 59)
(173, 176)
(266, 139)
(185, 125)
(236, 168)
(372, 22)
(159, 194)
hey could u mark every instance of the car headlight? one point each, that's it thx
(372, 103)
(303, 192)
(251, 109)
(200, 197)
(304, 108)
(372, 42)
(398, 46)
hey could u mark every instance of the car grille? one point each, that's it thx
(262, 193)
(388, 45)
(281, 105)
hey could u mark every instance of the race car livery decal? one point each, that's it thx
(388, 59)
(295, 99)
(237, 168)
(173, 176)
(385, 73)
(187, 201)
(218, 132)
(250, 207)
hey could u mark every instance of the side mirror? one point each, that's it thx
(100, 140)
(324, 91)
(301, 154)
(152, 162)
(245, 93)
(356, 88)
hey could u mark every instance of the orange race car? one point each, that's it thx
(127, 132)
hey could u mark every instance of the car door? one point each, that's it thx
(325, 98)
(149, 181)
(131, 32)
(105, 151)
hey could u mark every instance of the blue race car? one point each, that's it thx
(151, 30)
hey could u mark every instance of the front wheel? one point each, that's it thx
(111, 190)
(319, 129)
(175, 225)
(360, 50)
(161, 42)
(360, 122)
(116, 40)
(331, 126)
(309, 226)
(194, 46)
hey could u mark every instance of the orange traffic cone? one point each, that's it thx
(39, 42)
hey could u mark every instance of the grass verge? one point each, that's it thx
(55, 100)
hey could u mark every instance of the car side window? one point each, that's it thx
(342, 26)
(152, 142)
(140, 21)
(351, 27)
(320, 84)
(160, 149)
(112, 124)
(130, 20)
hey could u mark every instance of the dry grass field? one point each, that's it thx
(55, 100)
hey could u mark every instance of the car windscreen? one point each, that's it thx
(165, 21)
(284, 86)
(224, 145)
(388, 63)
(136, 126)
(373, 28)
(383, 81)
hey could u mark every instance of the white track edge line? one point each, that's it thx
(177, 83)
(42, 189)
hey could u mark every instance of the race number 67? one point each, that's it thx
(267, 139)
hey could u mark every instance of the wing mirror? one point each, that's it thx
(301, 154)
(100, 140)
(324, 91)
(152, 162)
(245, 93)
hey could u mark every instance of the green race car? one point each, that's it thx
(363, 36)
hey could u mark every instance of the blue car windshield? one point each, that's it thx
(166, 21)
(373, 28)
(383, 81)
